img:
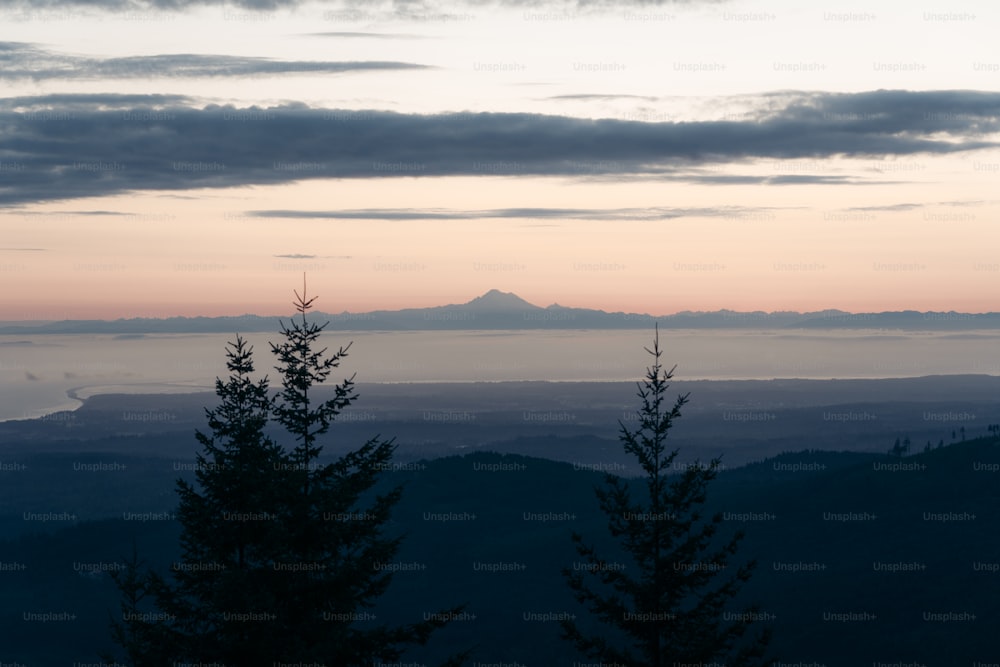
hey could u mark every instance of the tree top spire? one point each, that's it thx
(302, 304)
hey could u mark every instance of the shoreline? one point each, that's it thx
(79, 395)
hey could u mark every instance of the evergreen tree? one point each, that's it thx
(280, 554)
(672, 610)
(333, 546)
(138, 631)
(897, 448)
(230, 538)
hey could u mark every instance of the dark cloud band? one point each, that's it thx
(64, 148)
(19, 61)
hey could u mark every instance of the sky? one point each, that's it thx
(191, 157)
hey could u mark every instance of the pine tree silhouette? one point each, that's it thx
(336, 543)
(668, 604)
(280, 554)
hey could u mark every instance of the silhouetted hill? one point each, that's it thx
(506, 311)
(852, 549)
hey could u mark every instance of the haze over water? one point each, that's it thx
(37, 371)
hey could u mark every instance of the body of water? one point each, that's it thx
(43, 374)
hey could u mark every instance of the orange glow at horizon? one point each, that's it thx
(801, 248)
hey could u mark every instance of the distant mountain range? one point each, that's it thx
(507, 311)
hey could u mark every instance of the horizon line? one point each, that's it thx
(552, 306)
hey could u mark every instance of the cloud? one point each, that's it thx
(597, 97)
(910, 206)
(366, 35)
(398, 7)
(892, 208)
(49, 107)
(20, 60)
(298, 255)
(652, 213)
(969, 112)
(147, 5)
(61, 148)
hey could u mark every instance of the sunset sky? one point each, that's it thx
(186, 157)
